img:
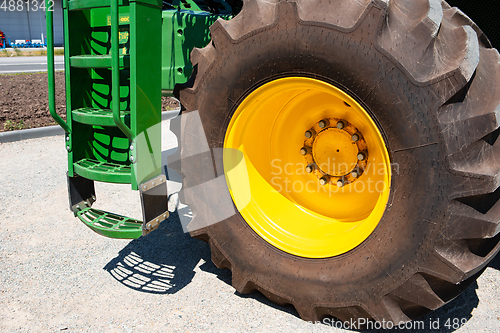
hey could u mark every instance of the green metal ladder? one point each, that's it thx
(113, 107)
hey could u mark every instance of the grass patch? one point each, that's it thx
(11, 125)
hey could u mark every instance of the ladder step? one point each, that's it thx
(110, 225)
(103, 171)
(99, 117)
(97, 61)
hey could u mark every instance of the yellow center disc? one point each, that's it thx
(334, 152)
(267, 178)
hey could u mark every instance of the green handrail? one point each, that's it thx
(51, 70)
(115, 71)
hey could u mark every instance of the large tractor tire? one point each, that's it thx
(327, 98)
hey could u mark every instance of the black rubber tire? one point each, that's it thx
(430, 79)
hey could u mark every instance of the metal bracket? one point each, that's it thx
(81, 193)
(154, 201)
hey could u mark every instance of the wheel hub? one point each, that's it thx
(318, 168)
(335, 152)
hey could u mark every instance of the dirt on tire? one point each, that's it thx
(24, 101)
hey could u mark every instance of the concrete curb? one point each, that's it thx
(40, 132)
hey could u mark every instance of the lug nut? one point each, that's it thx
(340, 183)
(309, 134)
(361, 156)
(355, 174)
(324, 180)
(340, 125)
(304, 151)
(355, 137)
(323, 123)
(310, 168)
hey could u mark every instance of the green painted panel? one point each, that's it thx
(145, 91)
(182, 30)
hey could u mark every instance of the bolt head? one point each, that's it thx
(340, 183)
(68, 148)
(131, 147)
(67, 138)
(303, 151)
(355, 137)
(322, 124)
(340, 125)
(308, 134)
(323, 180)
(355, 174)
(148, 226)
(361, 156)
(309, 169)
(131, 158)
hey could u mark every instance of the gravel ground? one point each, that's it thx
(57, 275)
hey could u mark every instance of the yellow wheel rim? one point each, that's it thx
(316, 174)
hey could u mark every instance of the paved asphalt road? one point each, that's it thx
(56, 275)
(9, 65)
